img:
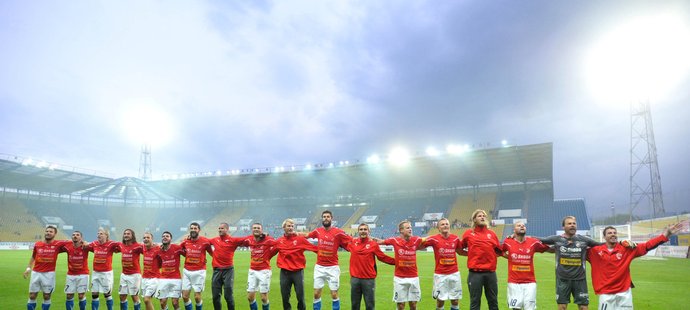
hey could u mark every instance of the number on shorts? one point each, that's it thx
(513, 302)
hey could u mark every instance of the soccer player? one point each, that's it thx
(223, 277)
(194, 271)
(363, 268)
(406, 280)
(77, 280)
(291, 261)
(149, 281)
(447, 285)
(170, 280)
(482, 249)
(326, 269)
(611, 267)
(130, 279)
(571, 254)
(42, 268)
(522, 285)
(102, 274)
(259, 276)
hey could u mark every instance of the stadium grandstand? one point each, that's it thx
(511, 182)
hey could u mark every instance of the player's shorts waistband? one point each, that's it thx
(480, 270)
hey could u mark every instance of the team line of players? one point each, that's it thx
(161, 277)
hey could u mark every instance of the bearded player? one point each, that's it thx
(194, 272)
(42, 268)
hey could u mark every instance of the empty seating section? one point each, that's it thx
(22, 220)
(229, 214)
(271, 216)
(138, 219)
(80, 217)
(544, 218)
(646, 229)
(341, 215)
(465, 204)
(510, 200)
(17, 223)
(354, 219)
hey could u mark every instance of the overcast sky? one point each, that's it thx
(242, 84)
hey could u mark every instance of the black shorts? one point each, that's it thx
(577, 288)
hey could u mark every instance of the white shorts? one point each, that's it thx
(522, 295)
(447, 286)
(76, 284)
(622, 300)
(259, 280)
(102, 282)
(149, 287)
(406, 289)
(169, 288)
(193, 280)
(130, 284)
(42, 282)
(330, 274)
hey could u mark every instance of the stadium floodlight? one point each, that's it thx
(504, 142)
(641, 59)
(399, 156)
(455, 149)
(27, 162)
(331, 165)
(307, 167)
(432, 151)
(373, 159)
(41, 164)
(218, 172)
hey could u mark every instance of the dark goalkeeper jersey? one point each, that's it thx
(571, 255)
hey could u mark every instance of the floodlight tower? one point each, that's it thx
(645, 57)
(145, 162)
(645, 180)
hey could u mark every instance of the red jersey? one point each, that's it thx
(482, 246)
(405, 255)
(195, 253)
(224, 250)
(261, 252)
(444, 252)
(611, 269)
(169, 261)
(103, 255)
(362, 263)
(290, 249)
(45, 255)
(130, 257)
(77, 259)
(329, 242)
(521, 258)
(151, 264)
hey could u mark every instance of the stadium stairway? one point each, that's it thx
(354, 219)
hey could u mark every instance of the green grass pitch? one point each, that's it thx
(660, 283)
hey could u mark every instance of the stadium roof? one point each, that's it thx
(475, 168)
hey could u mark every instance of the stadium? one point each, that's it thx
(513, 183)
(258, 111)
